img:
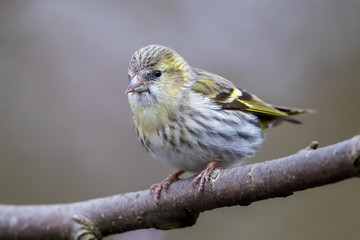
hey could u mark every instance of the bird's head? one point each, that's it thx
(158, 75)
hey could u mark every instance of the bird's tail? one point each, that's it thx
(292, 111)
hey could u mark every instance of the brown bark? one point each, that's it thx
(181, 204)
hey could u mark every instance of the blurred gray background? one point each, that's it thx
(66, 131)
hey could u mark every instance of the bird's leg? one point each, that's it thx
(204, 175)
(164, 184)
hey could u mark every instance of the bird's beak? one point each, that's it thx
(137, 84)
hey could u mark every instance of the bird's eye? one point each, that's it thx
(157, 73)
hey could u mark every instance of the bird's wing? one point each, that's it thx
(224, 93)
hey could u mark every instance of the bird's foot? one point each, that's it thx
(156, 189)
(204, 175)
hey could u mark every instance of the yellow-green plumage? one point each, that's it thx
(187, 117)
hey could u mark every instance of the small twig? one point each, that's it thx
(313, 145)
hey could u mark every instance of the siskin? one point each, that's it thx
(194, 120)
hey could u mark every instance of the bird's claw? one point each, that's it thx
(204, 175)
(156, 189)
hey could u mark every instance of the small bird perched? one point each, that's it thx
(194, 120)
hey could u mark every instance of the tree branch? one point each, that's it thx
(181, 204)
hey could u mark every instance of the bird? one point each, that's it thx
(194, 120)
